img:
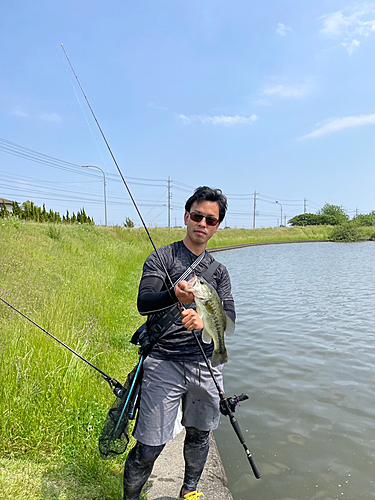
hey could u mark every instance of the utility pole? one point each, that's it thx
(304, 205)
(105, 192)
(255, 206)
(169, 202)
(281, 207)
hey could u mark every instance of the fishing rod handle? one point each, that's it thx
(254, 468)
(134, 403)
(237, 430)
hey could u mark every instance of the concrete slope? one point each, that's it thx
(167, 476)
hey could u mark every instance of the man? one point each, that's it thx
(175, 368)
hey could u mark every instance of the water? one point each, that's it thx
(304, 351)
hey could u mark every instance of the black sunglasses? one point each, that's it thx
(211, 221)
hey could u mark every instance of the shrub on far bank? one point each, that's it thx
(347, 232)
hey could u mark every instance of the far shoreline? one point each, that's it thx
(257, 243)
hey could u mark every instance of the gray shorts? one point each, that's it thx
(164, 385)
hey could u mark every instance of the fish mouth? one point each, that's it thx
(192, 286)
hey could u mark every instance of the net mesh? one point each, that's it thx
(114, 437)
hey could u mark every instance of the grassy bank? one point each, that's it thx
(239, 236)
(80, 283)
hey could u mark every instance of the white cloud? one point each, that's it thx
(155, 106)
(185, 118)
(47, 117)
(352, 46)
(336, 124)
(230, 120)
(19, 112)
(350, 25)
(336, 24)
(262, 102)
(282, 29)
(220, 120)
(288, 92)
(51, 117)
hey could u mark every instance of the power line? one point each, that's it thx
(32, 155)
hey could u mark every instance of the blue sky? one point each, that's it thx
(272, 97)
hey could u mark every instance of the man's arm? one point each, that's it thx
(152, 299)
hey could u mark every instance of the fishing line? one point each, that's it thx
(157, 203)
(118, 168)
(113, 383)
(225, 404)
(87, 120)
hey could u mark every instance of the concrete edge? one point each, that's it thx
(168, 473)
(258, 243)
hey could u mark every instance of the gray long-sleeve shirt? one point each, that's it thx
(155, 293)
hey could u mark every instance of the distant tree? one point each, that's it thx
(334, 211)
(128, 223)
(37, 214)
(44, 215)
(16, 209)
(4, 212)
(29, 211)
(81, 216)
(364, 220)
(313, 220)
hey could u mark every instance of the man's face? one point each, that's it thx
(201, 232)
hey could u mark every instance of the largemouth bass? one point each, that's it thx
(216, 322)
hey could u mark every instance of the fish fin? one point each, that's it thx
(199, 311)
(206, 337)
(230, 327)
(219, 358)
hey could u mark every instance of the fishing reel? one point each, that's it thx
(228, 405)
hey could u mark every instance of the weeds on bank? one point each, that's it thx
(81, 286)
(237, 236)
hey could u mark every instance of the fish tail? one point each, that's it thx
(218, 358)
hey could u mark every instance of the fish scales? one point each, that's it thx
(216, 322)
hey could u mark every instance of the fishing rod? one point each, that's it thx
(115, 386)
(227, 406)
(118, 168)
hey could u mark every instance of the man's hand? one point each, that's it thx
(182, 296)
(191, 320)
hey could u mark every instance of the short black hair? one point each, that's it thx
(205, 193)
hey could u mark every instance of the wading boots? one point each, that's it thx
(194, 495)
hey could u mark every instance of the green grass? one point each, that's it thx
(80, 283)
(238, 236)
(81, 287)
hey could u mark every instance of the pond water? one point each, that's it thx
(304, 352)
